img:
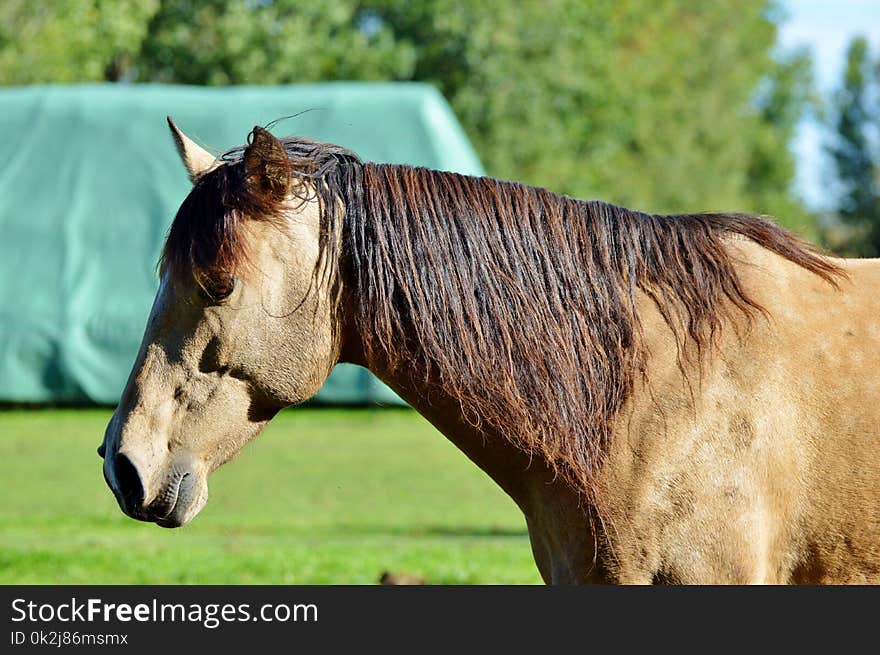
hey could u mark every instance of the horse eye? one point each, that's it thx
(218, 289)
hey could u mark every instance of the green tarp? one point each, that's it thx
(90, 181)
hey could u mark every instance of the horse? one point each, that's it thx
(667, 398)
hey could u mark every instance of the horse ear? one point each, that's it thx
(197, 160)
(266, 165)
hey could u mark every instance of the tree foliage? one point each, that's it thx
(856, 111)
(661, 106)
(239, 42)
(71, 41)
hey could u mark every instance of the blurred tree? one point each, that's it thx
(856, 111)
(71, 41)
(781, 100)
(664, 106)
(268, 42)
(661, 106)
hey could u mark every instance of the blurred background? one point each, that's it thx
(759, 106)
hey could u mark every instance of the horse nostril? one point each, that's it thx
(128, 481)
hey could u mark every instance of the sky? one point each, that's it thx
(826, 28)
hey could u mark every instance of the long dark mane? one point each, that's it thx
(517, 302)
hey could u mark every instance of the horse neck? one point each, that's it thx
(516, 472)
(560, 525)
(513, 469)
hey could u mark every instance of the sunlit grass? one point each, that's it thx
(323, 496)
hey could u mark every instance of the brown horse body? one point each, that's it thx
(765, 471)
(668, 399)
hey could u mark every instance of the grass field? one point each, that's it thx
(322, 496)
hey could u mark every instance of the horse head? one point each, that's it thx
(243, 324)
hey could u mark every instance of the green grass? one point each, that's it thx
(322, 496)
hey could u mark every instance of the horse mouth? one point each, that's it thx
(178, 502)
(163, 509)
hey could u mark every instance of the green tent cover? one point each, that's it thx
(91, 182)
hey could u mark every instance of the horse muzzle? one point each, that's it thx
(170, 497)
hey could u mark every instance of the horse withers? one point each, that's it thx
(681, 399)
